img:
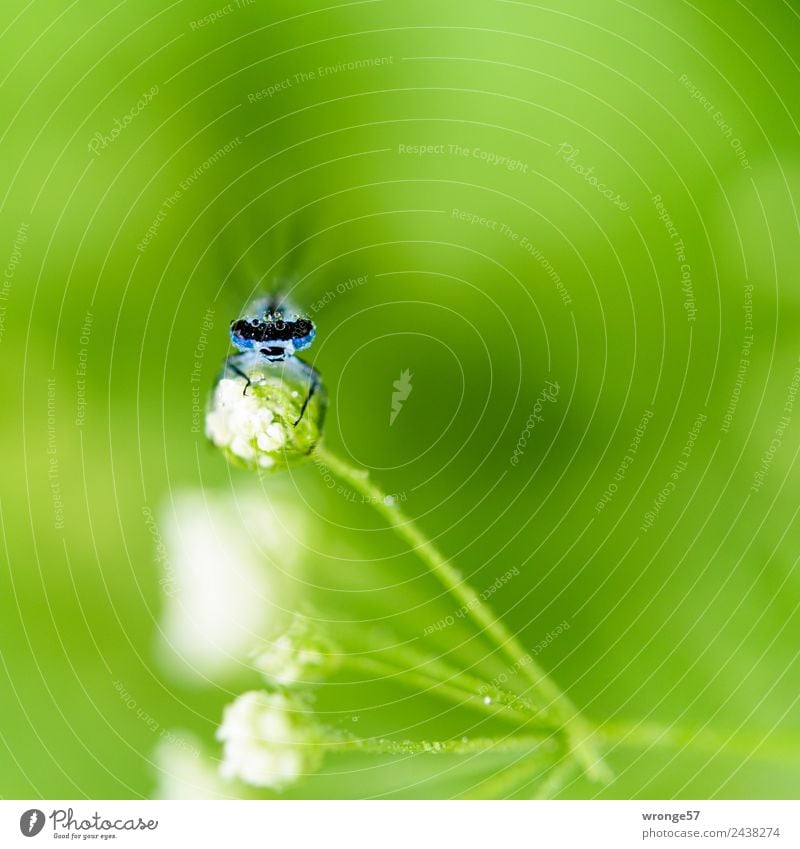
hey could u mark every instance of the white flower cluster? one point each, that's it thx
(184, 770)
(297, 656)
(227, 584)
(272, 421)
(268, 740)
(243, 425)
(224, 578)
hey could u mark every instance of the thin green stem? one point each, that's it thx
(498, 694)
(455, 693)
(438, 670)
(766, 745)
(511, 779)
(384, 746)
(549, 780)
(557, 780)
(578, 730)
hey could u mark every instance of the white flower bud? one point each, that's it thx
(184, 770)
(225, 564)
(269, 741)
(264, 425)
(299, 655)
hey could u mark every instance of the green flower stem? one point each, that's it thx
(557, 779)
(453, 692)
(513, 778)
(437, 668)
(383, 746)
(766, 746)
(404, 657)
(579, 732)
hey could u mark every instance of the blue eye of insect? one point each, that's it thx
(271, 334)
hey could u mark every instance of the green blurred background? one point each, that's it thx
(524, 243)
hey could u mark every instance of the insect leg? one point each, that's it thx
(234, 368)
(313, 386)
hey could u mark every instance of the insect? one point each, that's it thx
(272, 331)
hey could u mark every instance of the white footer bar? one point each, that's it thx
(401, 825)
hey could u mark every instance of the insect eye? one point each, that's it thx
(280, 325)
